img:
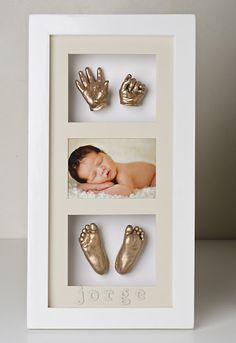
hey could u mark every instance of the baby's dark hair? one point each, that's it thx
(76, 157)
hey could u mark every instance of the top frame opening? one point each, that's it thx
(133, 100)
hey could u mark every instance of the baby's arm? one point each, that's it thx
(94, 187)
(119, 190)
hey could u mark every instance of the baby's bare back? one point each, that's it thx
(138, 174)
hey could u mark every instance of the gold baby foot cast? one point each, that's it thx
(94, 91)
(130, 250)
(92, 246)
(132, 91)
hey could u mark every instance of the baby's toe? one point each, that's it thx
(82, 236)
(93, 227)
(129, 229)
(142, 235)
(139, 231)
(87, 228)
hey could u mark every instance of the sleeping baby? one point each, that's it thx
(97, 172)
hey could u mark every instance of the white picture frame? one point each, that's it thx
(181, 30)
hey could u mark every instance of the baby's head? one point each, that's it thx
(92, 165)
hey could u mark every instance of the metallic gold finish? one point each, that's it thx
(130, 250)
(95, 92)
(132, 91)
(92, 246)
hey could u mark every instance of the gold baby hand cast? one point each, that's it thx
(132, 91)
(94, 91)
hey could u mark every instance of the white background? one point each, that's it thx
(216, 103)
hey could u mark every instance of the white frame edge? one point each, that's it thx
(182, 28)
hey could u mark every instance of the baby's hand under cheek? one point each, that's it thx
(95, 186)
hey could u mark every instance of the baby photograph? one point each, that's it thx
(111, 168)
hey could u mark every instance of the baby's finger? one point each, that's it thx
(106, 83)
(132, 83)
(142, 88)
(142, 85)
(79, 86)
(100, 75)
(83, 79)
(136, 87)
(89, 74)
(126, 82)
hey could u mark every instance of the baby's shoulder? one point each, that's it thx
(123, 175)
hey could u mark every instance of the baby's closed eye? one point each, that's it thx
(99, 161)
